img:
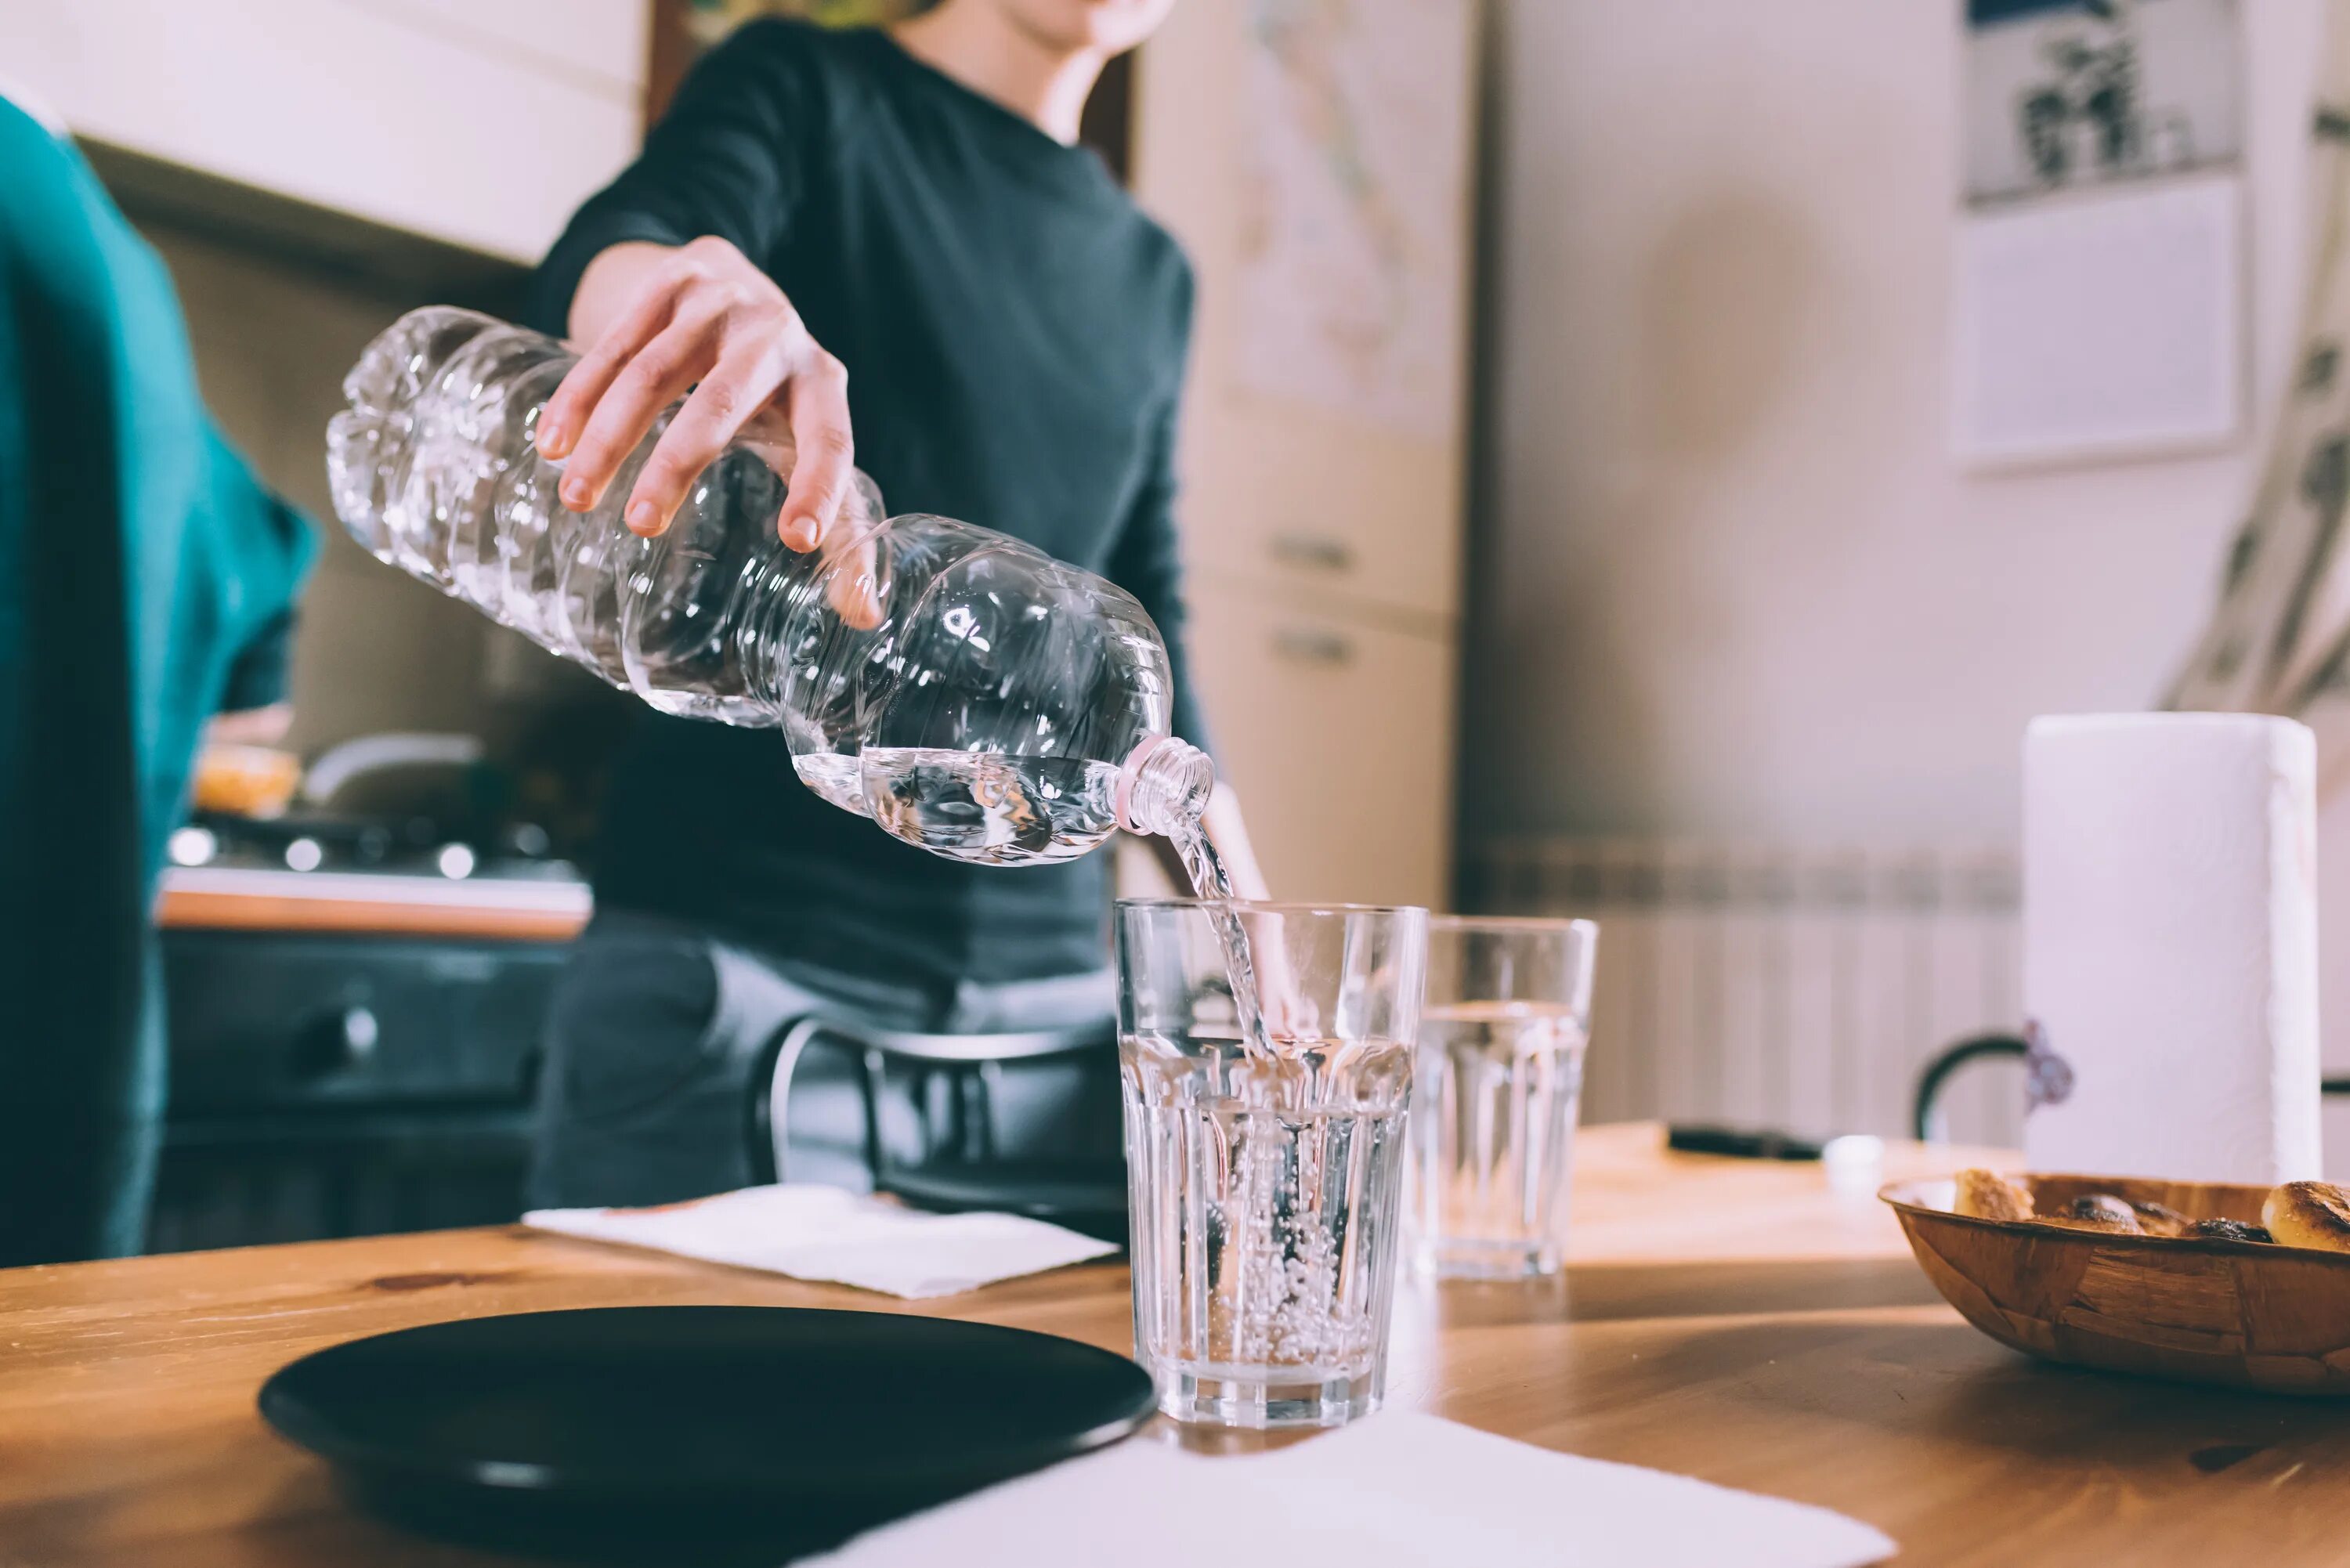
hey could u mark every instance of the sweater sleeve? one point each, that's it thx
(728, 159)
(1147, 557)
(1148, 562)
(257, 676)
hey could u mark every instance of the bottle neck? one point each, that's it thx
(1163, 786)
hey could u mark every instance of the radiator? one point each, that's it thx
(1780, 987)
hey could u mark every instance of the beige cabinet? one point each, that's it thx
(1315, 163)
(1336, 732)
(481, 124)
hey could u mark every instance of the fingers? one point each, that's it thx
(816, 401)
(655, 376)
(853, 586)
(706, 322)
(566, 414)
(711, 418)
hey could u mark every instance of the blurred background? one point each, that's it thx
(1646, 459)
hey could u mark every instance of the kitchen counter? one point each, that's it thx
(515, 908)
(1738, 1321)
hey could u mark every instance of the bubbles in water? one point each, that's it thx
(1279, 1178)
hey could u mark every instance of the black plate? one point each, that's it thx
(619, 1432)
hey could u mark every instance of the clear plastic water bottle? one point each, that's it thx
(965, 691)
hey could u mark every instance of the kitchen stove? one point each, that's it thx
(420, 845)
(355, 1010)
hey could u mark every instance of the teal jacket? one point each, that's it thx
(139, 558)
(108, 457)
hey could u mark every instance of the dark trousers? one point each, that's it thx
(81, 1125)
(658, 1028)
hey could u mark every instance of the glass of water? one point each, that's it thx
(1265, 1170)
(1502, 1039)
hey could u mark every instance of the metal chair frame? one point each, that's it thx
(974, 1063)
(1925, 1122)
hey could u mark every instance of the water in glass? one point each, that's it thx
(1500, 1088)
(1267, 1176)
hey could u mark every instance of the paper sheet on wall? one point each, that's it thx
(2100, 325)
(1354, 242)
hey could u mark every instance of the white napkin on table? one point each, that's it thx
(812, 1232)
(1397, 1491)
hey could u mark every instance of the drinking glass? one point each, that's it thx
(1502, 1038)
(1265, 1178)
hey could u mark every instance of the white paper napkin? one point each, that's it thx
(1399, 1490)
(812, 1232)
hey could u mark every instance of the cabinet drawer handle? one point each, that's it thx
(1318, 551)
(1311, 647)
(343, 1041)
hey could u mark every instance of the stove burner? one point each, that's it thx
(420, 847)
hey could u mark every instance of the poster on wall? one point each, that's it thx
(1354, 246)
(2067, 93)
(2098, 309)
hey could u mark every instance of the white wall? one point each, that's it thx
(481, 122)
(1730, 583)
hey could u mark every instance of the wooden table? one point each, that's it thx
(1731, 1320)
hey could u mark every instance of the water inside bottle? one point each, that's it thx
(838, 778)
(1498, 1085)
(990, 808)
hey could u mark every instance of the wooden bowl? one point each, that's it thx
(2245, 1315)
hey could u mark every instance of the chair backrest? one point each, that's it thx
(771, 1080)
(1031, 1046)
(1925, 1110)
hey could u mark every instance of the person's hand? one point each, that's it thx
(698, 316)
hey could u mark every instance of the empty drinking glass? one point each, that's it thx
(1502, 1038)
(1265, 1179)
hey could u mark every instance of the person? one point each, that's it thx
(892, 238)
(145, 582)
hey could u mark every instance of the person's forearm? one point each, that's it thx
(611, 282)
(1228, 831)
